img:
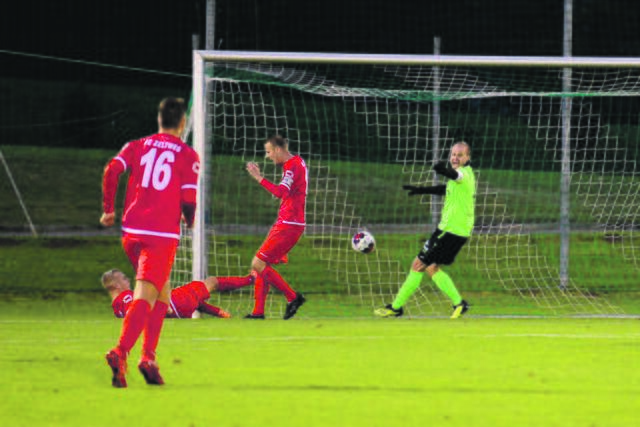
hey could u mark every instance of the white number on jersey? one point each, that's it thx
(157, 171)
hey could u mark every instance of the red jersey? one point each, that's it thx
(186, 299)
(292, 190)
(121, 303)
(163, 177)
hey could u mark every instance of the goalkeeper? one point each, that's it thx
(452, 232)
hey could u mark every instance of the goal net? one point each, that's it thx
(554, 149)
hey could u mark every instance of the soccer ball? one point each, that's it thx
(363, 242)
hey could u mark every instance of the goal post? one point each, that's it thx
(365, 126)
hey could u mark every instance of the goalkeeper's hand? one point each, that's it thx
(413, 190)
(438, 190)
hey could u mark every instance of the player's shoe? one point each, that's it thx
(389, 311)
(118, 365)
(460, 309)
(294, 305)
(254, 316)
(150, 371)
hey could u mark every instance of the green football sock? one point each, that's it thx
(411, 283)
(446, 285)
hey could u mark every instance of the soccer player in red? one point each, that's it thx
(184, 301)
(163, 176)
(285, 233)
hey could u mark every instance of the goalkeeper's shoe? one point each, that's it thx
(118, 365)
(389, 311)
(460, 309)
(294, 305)
(150, 371)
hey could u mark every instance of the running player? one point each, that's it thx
(161, 190)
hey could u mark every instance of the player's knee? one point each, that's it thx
(418, 265)
(258, 265)
(432, 269)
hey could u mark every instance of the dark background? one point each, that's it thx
(157, 35)
(89, 73)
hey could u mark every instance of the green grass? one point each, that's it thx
(319, 372)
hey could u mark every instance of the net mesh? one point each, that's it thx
(366, 130)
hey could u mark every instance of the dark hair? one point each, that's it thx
(171, 111)
(277, 140)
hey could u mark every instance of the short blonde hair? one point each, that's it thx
(466, 145)
(108, 278)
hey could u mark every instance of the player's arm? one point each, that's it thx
(443, 168)
(112, 172)
(438, 190)
(213, 310)
(188, 192)
(278, 191)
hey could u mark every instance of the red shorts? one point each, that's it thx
(152, 257)
(280, 240)
(186, 299)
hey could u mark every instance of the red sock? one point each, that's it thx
(272, 277)
(152, 330)
(230, 283)
(132, 325)
(260, 291)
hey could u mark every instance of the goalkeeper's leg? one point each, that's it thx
(408, 288)
(446, 285)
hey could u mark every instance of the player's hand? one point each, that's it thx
(413, 190)
(440, 167)
(224, 314)
(254, 171)
(108, 219)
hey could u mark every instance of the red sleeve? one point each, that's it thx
(209, 309)
(188, 189)
(112, 173)
(121, 303)
(277, 190)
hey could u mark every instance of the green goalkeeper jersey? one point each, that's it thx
(459, 204)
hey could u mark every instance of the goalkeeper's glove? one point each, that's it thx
(444, 169)
(439, 190)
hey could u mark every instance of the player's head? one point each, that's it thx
(460, 154)
(211, 283)
(277, 149)
(115, 281)
(172, 114)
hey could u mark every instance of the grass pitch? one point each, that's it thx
(319, 372)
